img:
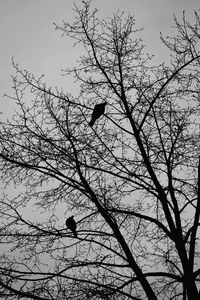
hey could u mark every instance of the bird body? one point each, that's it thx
(98, 111)
(71, 224)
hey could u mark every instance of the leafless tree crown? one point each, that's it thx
(132, 180)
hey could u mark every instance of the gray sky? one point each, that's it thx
(27, 33)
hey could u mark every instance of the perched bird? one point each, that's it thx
(71, 224)
(98, 111)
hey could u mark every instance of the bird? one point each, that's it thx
(98, 111)
(71, 224)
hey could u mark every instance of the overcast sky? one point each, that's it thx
(27, 32)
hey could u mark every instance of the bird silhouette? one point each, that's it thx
(71, 224)
(98, 111)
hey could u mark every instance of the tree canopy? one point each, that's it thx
(131, 181)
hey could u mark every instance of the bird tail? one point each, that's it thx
(75, 233)
(91, 123)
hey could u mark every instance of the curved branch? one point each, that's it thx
(145, 217)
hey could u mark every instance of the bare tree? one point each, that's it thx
(131, 181)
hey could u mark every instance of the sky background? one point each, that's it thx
(28, 35)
